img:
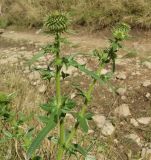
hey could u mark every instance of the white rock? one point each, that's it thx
(121, 76)
(146, 83)
(108, 128)
(70, 70)
(22, 48)
(121, 91)
(148, 95)
(134, 122)
(39, 31)
(99, 120)
(122, 110)
(147, 64)
(104, 71)
(135, 138)
(34, 76)
(144, 120)
(146, 153)
(42, 89)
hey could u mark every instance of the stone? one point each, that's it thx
(108, 128)
(39, 31)
(34, 76)
(146, 83)
(147, 64)
(144, 120)
(1, 31)
(99, 120)
(135, 138)
(123, 110)
(104, 71)
(134, 122)
(121, 91)
(121, 76)
(148, 95)
(23, 48)
(42, 89)
(146, 153)
(70, 70)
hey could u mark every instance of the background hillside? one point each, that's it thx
(95, 14)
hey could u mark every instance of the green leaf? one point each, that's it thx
(46, 74)
(40, 137)
(82, 68)
(67, 104)
(80, 149)
(89, 116)
(36, 57)
(83, 123)
(7, 134)
(44, 119)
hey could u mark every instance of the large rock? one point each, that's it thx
(123, 110)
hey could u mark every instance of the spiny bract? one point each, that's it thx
(57, 22)
(121, 31)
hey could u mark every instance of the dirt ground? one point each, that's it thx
(133, 63)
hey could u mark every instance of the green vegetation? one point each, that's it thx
(61, 104)
(96, 14)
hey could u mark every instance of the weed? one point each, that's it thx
(60, 105)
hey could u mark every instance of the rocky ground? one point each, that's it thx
(122, 109)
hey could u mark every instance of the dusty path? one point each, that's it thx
(138, 42)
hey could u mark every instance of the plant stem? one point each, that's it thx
(58, 98)
(84, 108)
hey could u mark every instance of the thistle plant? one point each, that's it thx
(58, 106)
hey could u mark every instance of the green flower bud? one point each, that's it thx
(57, 22)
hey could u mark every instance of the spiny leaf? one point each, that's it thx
(83, 123)
(40, 137)
(82, 68)
(36, 57)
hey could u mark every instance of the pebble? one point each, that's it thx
(135, 138)
(148, 95)
(121, 76)
(146, 83)
(123, 110)
(121, 91)
(34, 76)
(42, 89)
(147, 64)
(144, 120)
(99, 120)
(134, 122)
(108, 128)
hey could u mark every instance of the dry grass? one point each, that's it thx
(96, 14)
